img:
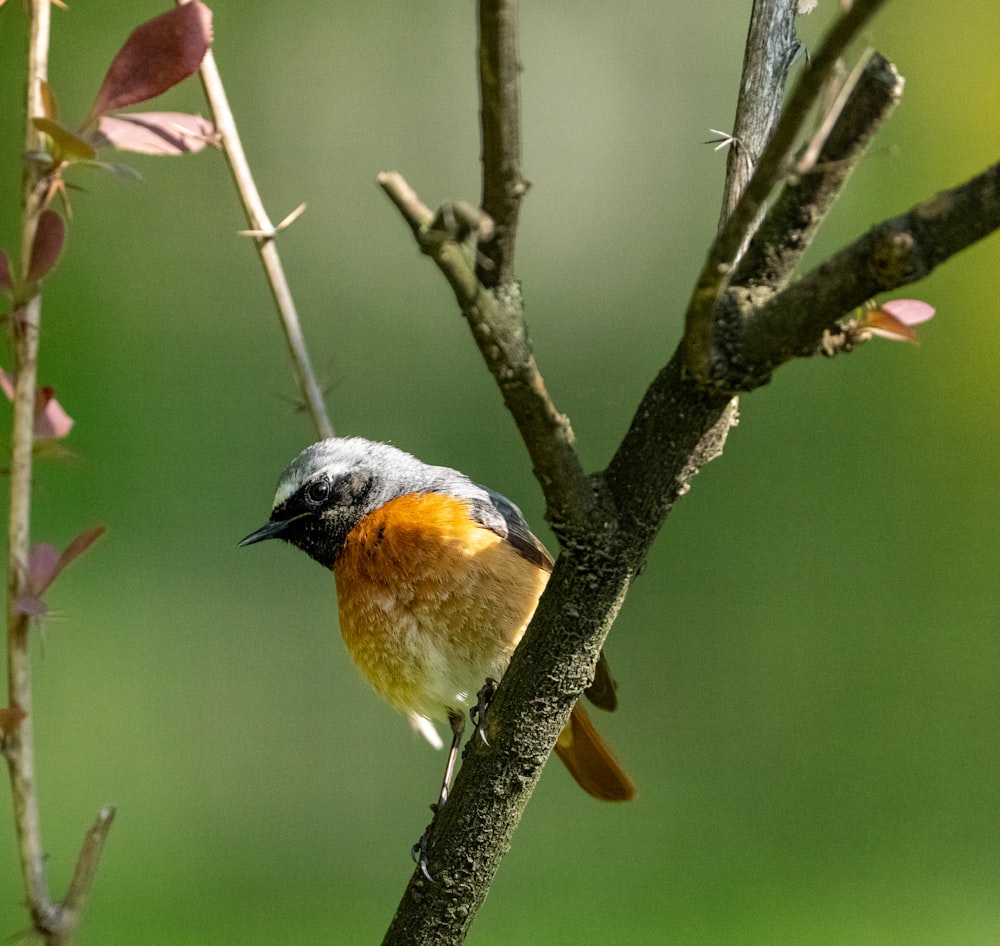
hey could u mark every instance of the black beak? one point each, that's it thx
(270, 530)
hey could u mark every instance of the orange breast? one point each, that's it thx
(431, 603)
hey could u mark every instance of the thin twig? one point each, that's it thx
(480, 270)
(497, 324)
(267, 249)
(770, 50)
(717, 271)
(866, 100)
(500, 120)
(73, 904)
(19, 746)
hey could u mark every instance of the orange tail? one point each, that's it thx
(589, 760)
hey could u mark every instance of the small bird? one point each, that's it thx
(437, 579)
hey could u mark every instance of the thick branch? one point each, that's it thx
(500, 118)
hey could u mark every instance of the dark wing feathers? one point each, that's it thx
(500, 515)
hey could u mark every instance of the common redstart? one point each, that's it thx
(437, 579)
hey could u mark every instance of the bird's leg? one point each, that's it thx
(478, 712)
(420, 849)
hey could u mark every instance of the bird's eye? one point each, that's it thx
(317, 492)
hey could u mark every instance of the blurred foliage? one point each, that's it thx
(808, 665)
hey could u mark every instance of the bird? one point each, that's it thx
(436, 580)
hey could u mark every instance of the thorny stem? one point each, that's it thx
(56, 922)
(19, 747)
(264, 235)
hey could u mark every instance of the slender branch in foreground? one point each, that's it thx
(19, 743)
(264, 234)
(55, 922)
(717, 271)
(73, 904)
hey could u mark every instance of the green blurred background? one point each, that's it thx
(808, 667)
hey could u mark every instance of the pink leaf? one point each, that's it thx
(908, 311)
(156, 132)
(7, 384)
(31, 606)
(50, 418)
(156, 56)
(43, 566)
(895, 319)
(47, 245)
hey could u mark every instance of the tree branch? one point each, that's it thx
(55, 922)
(497, 322)
(500, 121)
(866, 100)
(19, 744)
(680, 424)
(717, 271)
(894, 253)
(771, 48)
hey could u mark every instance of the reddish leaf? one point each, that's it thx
(158, 55)
(68, 147)
(908, 311)
(884, 325)
(156, 132)
(895, 319)
(50, 418)
(80, 545)
(43, 567)
(47, 244)
(10, 718)
(7, 384)
(31, 606)
(6, 283)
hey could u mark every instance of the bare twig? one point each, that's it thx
(770, 50)
(497, 324)
(481, 274)
(717, 271)
(73, 904)
(264, 238)
(894, 253)
(500, 119)
(866, 100)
